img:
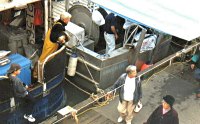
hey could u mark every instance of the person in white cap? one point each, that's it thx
(129, 87)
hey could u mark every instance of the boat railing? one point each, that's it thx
(3, 77)
(41, 66)
(131, 33)
(170, 58)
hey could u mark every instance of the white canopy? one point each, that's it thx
(179, 18)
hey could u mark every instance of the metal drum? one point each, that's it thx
(82, 16)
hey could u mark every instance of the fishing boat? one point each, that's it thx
(97, 71)
(14, 39)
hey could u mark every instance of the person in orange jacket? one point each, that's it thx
(146, 65)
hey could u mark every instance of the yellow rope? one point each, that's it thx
(78, 87)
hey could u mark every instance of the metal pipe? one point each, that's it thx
(50, 13)
(127, 39)
(67, 5)
(46, 16)
(170, 62)
(3, 77)
(46, 59)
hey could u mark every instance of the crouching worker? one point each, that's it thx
(54, 39)
(129, 87)
(20, 91)
(195, 65)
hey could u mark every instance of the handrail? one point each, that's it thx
(168, 59)
(5, 77)
(41, 79)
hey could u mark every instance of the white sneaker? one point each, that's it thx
(128, 122)
(120, 119)
(26, 116)
(29, 117)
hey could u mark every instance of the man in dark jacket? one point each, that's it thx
(129, 87)
(54, 38)
(165, 113)
(20, 91)
(110, 32)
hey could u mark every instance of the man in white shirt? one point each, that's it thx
(129, 93)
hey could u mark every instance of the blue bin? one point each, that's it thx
(24, 62)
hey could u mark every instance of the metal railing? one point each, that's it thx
(170, 58)
(41, 65)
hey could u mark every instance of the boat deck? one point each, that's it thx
(176, 80)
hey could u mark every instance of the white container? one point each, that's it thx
(73, 29)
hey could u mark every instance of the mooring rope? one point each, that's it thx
(96, 98)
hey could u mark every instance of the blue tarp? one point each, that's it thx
(179, 18)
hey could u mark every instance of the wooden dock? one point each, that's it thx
(176, 80)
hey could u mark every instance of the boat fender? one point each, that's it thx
(72, 64)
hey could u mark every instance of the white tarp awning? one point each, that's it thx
(179, 18)
(15, 4)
